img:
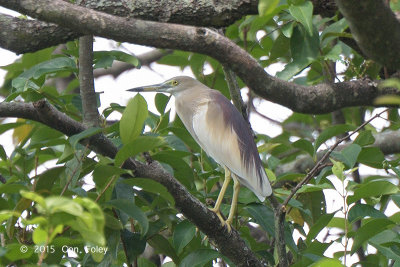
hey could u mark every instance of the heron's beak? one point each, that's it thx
(151, 88)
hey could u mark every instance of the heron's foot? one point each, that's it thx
(224, 222)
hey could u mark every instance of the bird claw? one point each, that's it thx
(226, 223)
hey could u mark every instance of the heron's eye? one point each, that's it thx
(174, 83)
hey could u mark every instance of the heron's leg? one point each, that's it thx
(236, 189)
(221, 195)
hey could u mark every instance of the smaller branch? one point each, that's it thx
(317, 166)
(91, 116)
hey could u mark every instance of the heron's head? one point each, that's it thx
(172, 86)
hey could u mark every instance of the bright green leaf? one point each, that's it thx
(265, 7)
(131, 124)
(303, 14)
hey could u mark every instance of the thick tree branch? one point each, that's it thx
(321, 98)
(24, 35)
(229, 244)
(375, 28)
(37, 35)
(198, 13)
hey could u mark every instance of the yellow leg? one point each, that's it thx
(236, 189)
(221, 196)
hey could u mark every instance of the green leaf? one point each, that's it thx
(320, 224)
(3, 154)
(46, 180)
(266, 7)
(350, 154)
(331, 132)
(371, 156)
(131, 124)
(34, 197)
(360, 211)
(262, 215)
(368, 230)
(138, 145)
(134, 244)
(199, 258)
(6, 214)
(183, 234)
(73, 140)
(334, 53)
(364, 138)
(161, 101)
(391, 82)
(304, 49)
(304, 145)
(338, 169)
(40, 236)
(303, 14)
(162, 245)
(105, 59)
(56, 204)
(50, 66)
(327, 262)
(373, 189)
(152, 187)
(129, 207)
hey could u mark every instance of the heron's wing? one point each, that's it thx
(222, 132)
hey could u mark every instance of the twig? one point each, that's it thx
(315, 169)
